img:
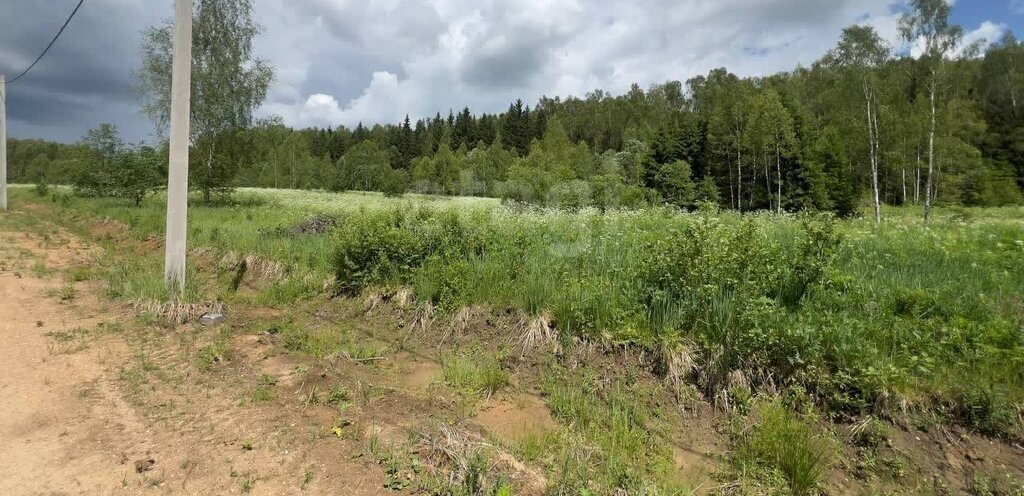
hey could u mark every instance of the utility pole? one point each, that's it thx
(3, 143)
(177, 172)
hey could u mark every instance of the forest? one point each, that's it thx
(861, 125)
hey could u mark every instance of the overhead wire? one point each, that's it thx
(50, 45)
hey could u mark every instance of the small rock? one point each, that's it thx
(212, 319)
(144, 465)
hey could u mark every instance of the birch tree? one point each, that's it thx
(928, 28)
(228, 85)
(771, 133)
(859, 56)
(727, 125)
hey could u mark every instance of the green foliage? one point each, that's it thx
(386, 247)
(214, 353)
(137, 173)
(996, 484)
(477, 374)
(621, 437)
(570, 195)
(863, 320)
(228, 85)
(676, 184)
(778, 443)
(96, 171)
(366, 167)
(814, 139)
(107, 167)
(42, 188)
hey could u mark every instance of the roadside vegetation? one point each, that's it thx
(794, 323)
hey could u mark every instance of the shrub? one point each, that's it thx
(381, 248)
(571, 195)
(817, 249)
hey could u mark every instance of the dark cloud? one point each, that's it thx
(506, 62)
(86, 78)
(345, 61)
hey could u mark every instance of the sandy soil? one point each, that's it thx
(74, 421)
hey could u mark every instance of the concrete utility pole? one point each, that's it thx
(177, 173)
(3, 143)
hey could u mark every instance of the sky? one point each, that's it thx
(341, 62)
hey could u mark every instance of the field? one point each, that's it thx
(650, 352)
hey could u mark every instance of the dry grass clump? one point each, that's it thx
(404, 297)
(316, 224)
(423, 318)
(539, 334)
(177, 312)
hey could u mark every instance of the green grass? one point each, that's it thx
(476, 374)
(217, 352)
(867, 320)
(609, 441)
(323, 342)
(262, 394)
(777, 447)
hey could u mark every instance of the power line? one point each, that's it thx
(54, 40)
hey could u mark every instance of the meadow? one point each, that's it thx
(909, 319)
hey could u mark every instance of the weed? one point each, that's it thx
(210, 355)
(478, 374)
(78, 274)
(338, 396)
(779, 445)
(249, 480)
(869, 433)
(996, 484)
(214, 353)
(66, 293)
(40, 270)
(608, 426)
(133, 380)
(262, 395)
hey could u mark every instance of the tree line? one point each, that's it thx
(863, 123)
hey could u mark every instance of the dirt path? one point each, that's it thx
(57, 407)
(79, 417)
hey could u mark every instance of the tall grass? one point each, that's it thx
(866, 320)
(779, 445)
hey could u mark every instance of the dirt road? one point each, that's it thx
(78, 415)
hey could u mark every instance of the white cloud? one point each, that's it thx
(385, 59)
(346, 61)
(985, 34)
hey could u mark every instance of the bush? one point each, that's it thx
(571, 195)
(676, 183)
(394, 183)
(42, 188)
(861, 325)
(817, 250)
(387, 248)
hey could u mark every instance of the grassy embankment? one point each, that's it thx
(909, 320)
